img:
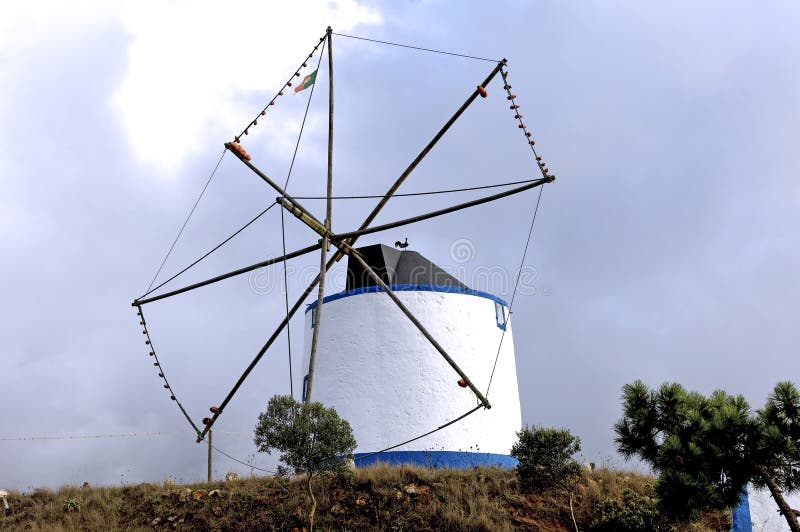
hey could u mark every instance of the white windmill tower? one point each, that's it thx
(379, 372)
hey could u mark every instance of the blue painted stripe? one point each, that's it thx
(437, 459)
(740, 518)
(410, 288)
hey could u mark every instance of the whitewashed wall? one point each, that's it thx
(384, 377)
(764, 514)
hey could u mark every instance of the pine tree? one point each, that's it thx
(707, 449)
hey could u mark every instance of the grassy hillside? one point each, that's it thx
(378, 498)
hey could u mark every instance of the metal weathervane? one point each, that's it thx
(343, 241)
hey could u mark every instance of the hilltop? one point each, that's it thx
(376, 498)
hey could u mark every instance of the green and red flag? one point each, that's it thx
(307, 82)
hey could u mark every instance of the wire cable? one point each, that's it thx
(437, 429)
(516, 284)
(130, 435)
(286, 305)
(426, 193)
(187, 220)
(215, 248)
(283, 225)
(242, 435)
(93, 436)
(251, 466)
(417, 48)
(543, 168)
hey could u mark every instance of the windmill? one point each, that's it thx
(369, 262)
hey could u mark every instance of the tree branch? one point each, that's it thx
(790, 514)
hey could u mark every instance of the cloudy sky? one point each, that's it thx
(666, 250)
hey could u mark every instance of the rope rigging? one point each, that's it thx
(516, 284)
(191, 212)
(437, 429)
(546, 175)
(426, 193)
(340, 253)
(222, 277)
(443, 52)
(253, 220)
(212, 250)
(283, 224)
(150, 288)
(341, 237)
(251, 466)
(286, 304)
(543, 168)
(345, 241)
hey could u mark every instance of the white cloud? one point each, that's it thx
(190, 62)
(190, 65)
(27, 25)
(30, 30)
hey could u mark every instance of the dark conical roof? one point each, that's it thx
(396, 267)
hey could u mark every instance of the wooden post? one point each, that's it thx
(329, 206)
(210, 447)
(326, 237)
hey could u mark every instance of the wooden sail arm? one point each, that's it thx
(302, 215)
(273, 184)
(257, 265)
(433, 214)
(399, 181)
(375, 277)
(339, 253)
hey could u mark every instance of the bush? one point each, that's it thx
(71, 505)
(545, 458)
(637, 513)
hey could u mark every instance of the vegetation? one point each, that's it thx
(545, 458)
(706, 449)
(71, 505)
(375, 498)
(312, 439)
(637, 512)
(545, 461)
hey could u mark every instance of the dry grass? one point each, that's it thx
(602, 484)
(375, 498)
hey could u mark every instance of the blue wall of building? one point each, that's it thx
(437, 459)
(741, 515)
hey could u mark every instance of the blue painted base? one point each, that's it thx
(438, 459)
(741, 515)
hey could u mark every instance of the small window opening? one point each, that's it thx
(500, 314)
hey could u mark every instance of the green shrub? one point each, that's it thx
(71, 505)
(636, 513)
(545, 458)
(312, 439)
